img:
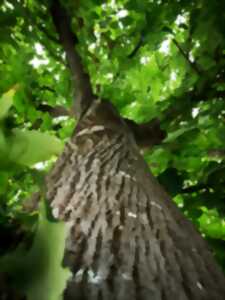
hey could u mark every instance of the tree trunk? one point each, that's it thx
(126, 239)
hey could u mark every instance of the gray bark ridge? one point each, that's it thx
(126, 239)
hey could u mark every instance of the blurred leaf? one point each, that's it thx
(177, 133)
(6, 102)
(30, 147)
(3, 181)
(38, 272)
(211, 224)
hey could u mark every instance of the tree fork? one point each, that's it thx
(147, 134)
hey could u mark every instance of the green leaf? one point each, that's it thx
(158, 160)
(177, 133)
(6, 102)
(212, 225)
(30, 147)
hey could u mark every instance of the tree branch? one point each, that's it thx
(185, 55)
(137, 47)
(146, 134)
(31, 204)
(216, 153)
(81, 81)
(48, 35)
(56, 111)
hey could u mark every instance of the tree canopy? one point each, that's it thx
(151, 59)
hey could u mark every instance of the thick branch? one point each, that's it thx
(81, 81)
(146, 134)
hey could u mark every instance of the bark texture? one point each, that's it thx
(126, 239)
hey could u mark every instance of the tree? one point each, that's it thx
(125, 237)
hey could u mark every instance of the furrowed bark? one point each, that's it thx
(126, 239)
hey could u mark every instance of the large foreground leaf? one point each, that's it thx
(39, 273)
(29, 147)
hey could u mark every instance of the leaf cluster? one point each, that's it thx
(163, 59)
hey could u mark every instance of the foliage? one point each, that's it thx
(163, 59)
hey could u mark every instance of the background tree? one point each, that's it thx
(151, 60)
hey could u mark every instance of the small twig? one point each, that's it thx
(45, 31)
(216, 153)
(195, 188)
(185, 55)
(47, 88)
(137, 47)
